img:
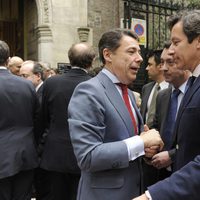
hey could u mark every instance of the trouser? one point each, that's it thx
(52, 185)
(17, 187)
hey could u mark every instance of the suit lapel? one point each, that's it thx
(165, 104)
(139, 117)
(186, 99)
(145, 99)
(117, 101)
(188, 95)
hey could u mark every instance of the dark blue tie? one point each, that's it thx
(171, 118)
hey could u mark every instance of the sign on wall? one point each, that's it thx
(138, 26)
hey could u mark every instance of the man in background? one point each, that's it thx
(167, 104)
(18, 157)
(148, 105)
(58, 162)
(14, 65)
(33, 71)
(150, 90)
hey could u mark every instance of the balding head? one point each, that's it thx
(32, 71)
(14, 65)
(81, 55)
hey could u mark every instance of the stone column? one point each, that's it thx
(44, 43)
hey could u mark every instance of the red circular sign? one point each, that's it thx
(139, 29)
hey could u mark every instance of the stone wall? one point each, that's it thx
(102, 16)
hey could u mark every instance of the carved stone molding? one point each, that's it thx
(83, 33)
(44, 33)
(46, 11)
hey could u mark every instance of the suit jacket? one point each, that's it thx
(18, 107)
(146, 91)
(58, 152)
(99, 121)
(183, 184)
(162, 106)
(186, 137)
(39, 94)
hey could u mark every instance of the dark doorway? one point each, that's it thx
(11, 25)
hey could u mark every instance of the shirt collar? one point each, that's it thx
(182, 88)
(196, 72)
(38, 86)
(74, 67)
(163, 85)
(2, 67)
(110, 75)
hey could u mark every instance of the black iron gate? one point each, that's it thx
(155, 13)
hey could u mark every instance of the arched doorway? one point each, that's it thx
(18, 22)
(11, 23)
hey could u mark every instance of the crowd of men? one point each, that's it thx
(72, 136)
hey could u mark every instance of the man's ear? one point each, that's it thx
(38, 75)
(107, 55)
(198, 42)
(159, 67)
(7, 61)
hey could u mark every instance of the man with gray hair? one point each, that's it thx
(33, 71)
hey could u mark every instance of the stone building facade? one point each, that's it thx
(45, 29)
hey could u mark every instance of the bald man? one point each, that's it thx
(58, 162)
(14, 65)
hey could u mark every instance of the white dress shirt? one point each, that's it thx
(135, 144)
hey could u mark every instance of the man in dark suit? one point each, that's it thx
(148, 104)
(58, 161)
(104, 122)
(156, 74)
(33, 71)
(184, 184)
(163, 115)
(18, 157)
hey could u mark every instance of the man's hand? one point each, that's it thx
(152, 138)
(142, 197)
(151, 151)
(161, 160)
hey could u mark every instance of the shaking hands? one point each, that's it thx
(152, 142)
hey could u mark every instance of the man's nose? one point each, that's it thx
(164, 67)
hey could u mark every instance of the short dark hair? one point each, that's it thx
(191, 23)
(4, 52)
(156, 54)
(111, 40)
(38, 69)
(81, 57)
(167, 44)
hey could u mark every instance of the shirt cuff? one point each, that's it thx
(148, 195)
(135, 146)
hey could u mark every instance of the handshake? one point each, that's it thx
(152, 142)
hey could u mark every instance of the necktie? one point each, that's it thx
(152, 106)
(124, 89)
(171, 118)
